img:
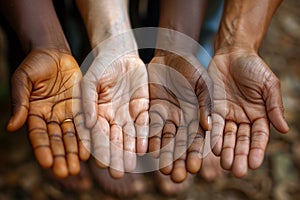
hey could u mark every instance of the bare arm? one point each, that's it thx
(183, 16)
(45, 88)
(247, 94)
(36, 23)
(104, 19)
(244, 23)
(176, 47)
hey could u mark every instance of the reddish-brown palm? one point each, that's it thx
(46, 92)
(247, 98)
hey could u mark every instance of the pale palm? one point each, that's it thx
(116, 105)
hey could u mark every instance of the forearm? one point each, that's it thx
(244, 23)
(183, 16)
(104, 19)
(36, 24)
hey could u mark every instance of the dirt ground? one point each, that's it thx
(278, 178)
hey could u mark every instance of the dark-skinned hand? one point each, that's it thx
(179, 113)
(247, 98)
(46, 93)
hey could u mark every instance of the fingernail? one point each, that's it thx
(209, 120)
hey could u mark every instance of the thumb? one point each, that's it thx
(275, 108)
(21, 87)
(204, 95)
(89, 101)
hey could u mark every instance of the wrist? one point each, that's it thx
(171, 41)
(116, 46)
(48, 41)
(244, 24)
(233, 36)
(38, 26)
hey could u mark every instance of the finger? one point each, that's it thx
(259, 139)
(179, 172)
(240, 163)
(139, 104)
(217, 133)
(142, 132)
(129, 147)
(83, 137)
(203, 92)
(71, 147)
(59, 168)
(195, 148)
(101, 142)
(83, 133)
(167, 149)
(156, 127)
(180, 143)
(179, 169)
(229, 138)
(21, 89)
(89, 101)
(275, 108)
(116, 149)
(40, 141)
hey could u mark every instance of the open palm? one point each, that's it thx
(247, 98)
(116, 102)
(46, 92)
(179, 109)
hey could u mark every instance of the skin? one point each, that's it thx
(46, 90)
(179, 93)
(169, 128)
(115, 89)
(247, 94)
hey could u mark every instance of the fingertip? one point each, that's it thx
(179, 175)
(60, 169)
(279, 123)
(193, 164)
(225, 163)
(17, 120)
(44, 157)
(90, 119)
(73, 164)
(205, 122)
(239, 173)
(116, 174)
(216, 149)
(256, 158)
(284, 127)
(84, 154)
(240, 167)
(166, 170)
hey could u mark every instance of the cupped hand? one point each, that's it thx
(247, 98)
(116, 102)
(179, 112)
(46, 93)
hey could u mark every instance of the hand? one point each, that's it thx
(246, 98)
(179, 113)
(116, 102)
(46, 92)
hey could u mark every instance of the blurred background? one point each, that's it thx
(278, 178)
